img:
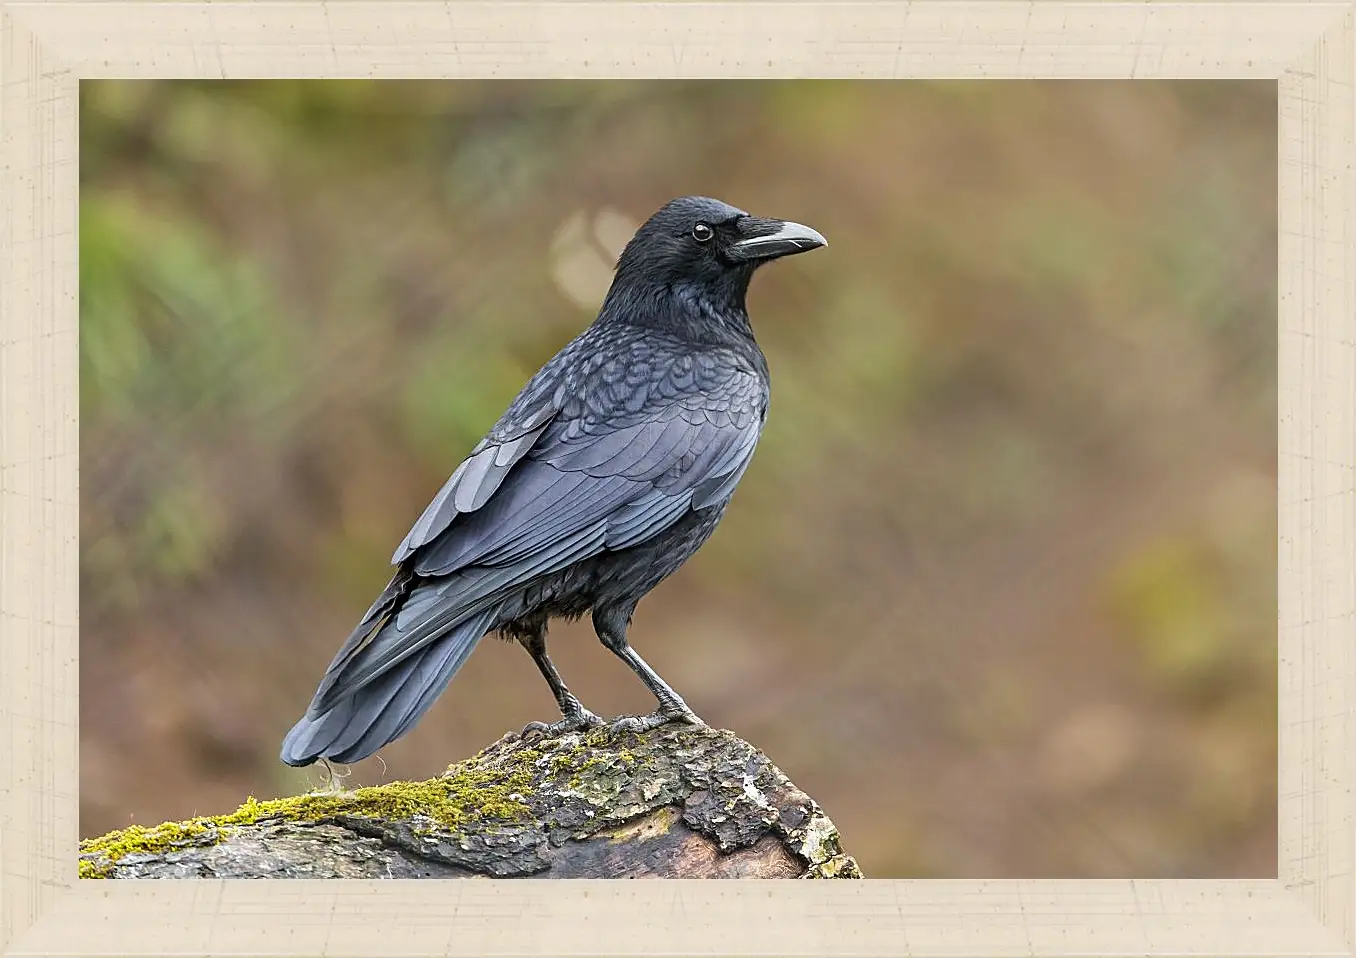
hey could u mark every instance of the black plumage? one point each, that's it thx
(605, 474)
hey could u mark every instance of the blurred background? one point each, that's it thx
(999, 589)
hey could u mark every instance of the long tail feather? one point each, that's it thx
(379, 712)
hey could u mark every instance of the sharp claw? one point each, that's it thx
(643, 723)
(575, 722)
(533, 732)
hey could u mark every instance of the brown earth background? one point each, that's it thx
(1000, 588)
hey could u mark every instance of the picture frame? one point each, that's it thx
(47, 48)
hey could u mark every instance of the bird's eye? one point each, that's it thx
(702, 232)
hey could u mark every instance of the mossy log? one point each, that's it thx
(675, 802)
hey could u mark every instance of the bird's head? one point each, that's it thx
(699, 242)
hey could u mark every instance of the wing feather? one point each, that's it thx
(599, 499)
(679, 436)
(639, 478)
(726, 474)
(587, 453)
(474, 481)
(642, 519)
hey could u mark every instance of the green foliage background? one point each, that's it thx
(1000, 588)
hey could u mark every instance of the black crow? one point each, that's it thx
(610, 468)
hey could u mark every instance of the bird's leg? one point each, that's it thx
(611, 626)
(574, 716)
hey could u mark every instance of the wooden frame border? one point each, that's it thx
(47, 47)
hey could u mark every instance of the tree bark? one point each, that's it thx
(675, 802)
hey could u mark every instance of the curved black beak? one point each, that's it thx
(765, 239)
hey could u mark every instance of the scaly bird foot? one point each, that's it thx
(662, 716)
(574, 721)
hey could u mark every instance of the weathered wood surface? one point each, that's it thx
(675, 802)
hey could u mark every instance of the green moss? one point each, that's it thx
(596, 738)
(137, 839)
(89, 869)
(468, 791)
(522, 755)
(488, 791)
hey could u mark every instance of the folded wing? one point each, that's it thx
(553, 493)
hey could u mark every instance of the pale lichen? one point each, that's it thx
(840, 866)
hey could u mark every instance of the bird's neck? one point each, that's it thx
(704, 313)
